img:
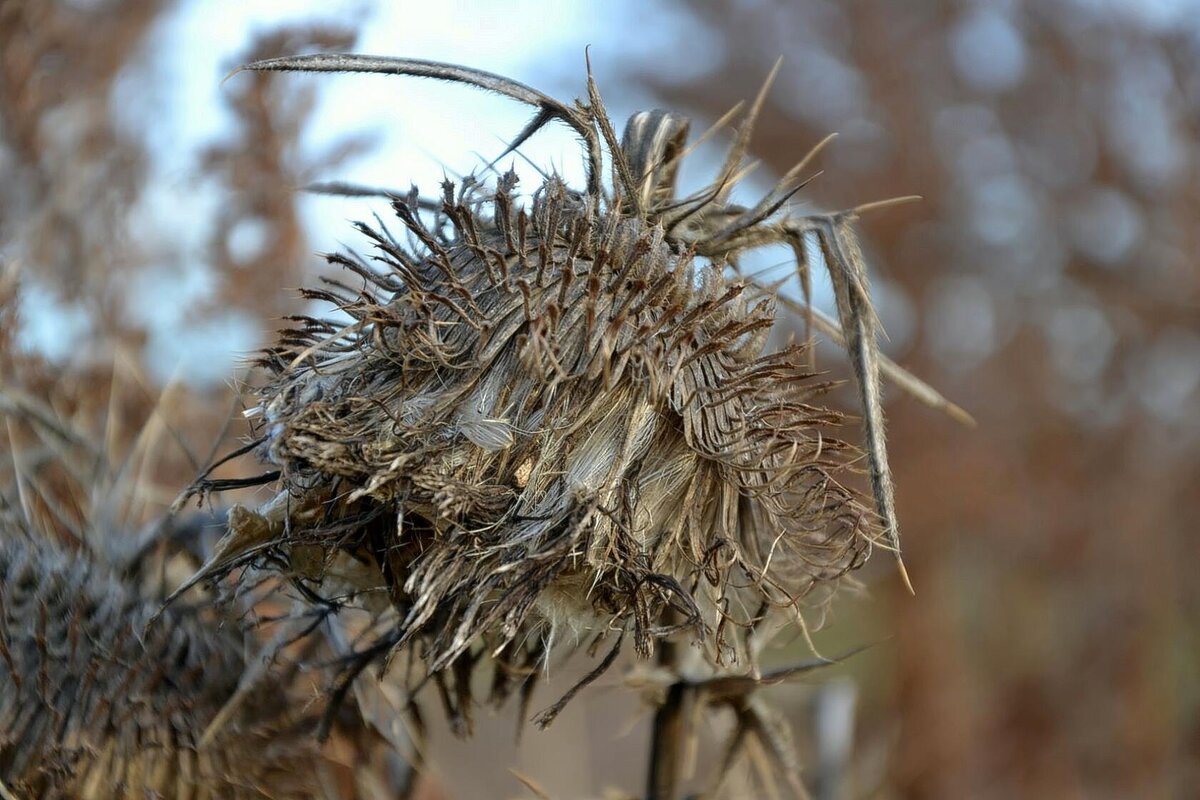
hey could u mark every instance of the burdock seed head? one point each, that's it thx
(562, 420)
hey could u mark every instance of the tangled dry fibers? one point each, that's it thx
(563, 423)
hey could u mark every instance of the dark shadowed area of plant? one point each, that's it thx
(1047, 283)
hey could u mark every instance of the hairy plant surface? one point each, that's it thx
(564, 421)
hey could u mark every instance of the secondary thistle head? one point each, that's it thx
(95, 704)
(563, 417)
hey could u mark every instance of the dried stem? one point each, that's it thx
(667, 738)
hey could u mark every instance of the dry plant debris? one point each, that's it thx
(94, 709)
(94, 701)
(104, 692)
(562, 423)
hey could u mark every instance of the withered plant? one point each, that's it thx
(91, 708)
(105, 693)
(94, 701)
(561, 423)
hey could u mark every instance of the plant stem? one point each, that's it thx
(667, 737)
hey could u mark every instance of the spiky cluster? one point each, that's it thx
(565, 420)
(95, 704)
(562, 413)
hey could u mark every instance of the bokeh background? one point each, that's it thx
(152, 228)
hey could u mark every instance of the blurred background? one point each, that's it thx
(152, 234)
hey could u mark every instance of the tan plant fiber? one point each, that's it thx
(563, 422)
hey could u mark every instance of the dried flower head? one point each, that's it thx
(95, 700)
(563, 421)
(95, 705)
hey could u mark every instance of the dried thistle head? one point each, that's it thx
(562, 421)
(103, 692)
(95, 704)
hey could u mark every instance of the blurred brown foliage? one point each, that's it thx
(1051, 649)
(73, 175)
(70, 175)
(263, 169)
